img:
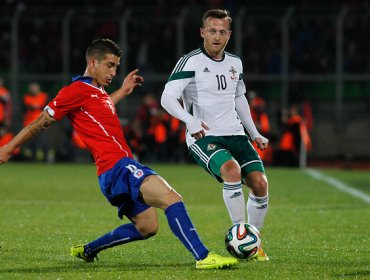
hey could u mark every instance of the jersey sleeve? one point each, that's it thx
(240, 88)
(67, 100)
(180, 77)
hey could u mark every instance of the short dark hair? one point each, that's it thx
(99, 48)
(216, 13)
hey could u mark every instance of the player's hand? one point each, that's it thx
(4, 155)
(262, 142)
(131, 81)
(201, 133)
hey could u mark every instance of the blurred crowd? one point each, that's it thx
(311, 33)
(290, 138)
(153, 134)
(152, 27)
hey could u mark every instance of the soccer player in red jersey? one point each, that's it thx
(135, 189)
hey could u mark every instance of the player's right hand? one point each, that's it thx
(197, 129)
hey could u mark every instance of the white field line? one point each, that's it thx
(338, 184)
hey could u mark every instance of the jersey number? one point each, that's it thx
(221, 81)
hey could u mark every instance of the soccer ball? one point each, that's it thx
(242, 241)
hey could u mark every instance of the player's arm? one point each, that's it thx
(43, 121)
(131, 81)
(244, 113)
(171, 104)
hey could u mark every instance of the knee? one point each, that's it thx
(169, 198)
(148, 230)
(259, 185)
(173, 197)
(230, 171)
(262, 185)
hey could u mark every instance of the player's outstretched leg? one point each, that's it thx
(158, 193)
(121, 235)
(78, 251)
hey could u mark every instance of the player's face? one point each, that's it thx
(216, 34)
(105, 70)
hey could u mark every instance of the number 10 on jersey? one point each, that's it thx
(221, 81)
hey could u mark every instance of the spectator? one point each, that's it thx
(5, 137)
(294, 134)
(34, 102)
(258, 111)
(147, 110)
(5, 105)
(159, 134)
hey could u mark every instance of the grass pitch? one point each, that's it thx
(312, 230)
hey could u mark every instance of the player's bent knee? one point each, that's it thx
(263, 186)
(171, 198)
(230, 171)
(174, 196)
(260, 186)
(148, 230)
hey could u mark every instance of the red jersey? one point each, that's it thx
(93, 116)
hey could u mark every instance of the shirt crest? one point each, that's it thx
(233, 72)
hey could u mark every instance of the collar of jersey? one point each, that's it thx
(206, 54)
(85, 79)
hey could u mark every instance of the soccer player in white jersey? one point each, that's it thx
(215, 109)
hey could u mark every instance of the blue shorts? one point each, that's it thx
(121, 186)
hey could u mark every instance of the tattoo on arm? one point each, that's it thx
(42, 122)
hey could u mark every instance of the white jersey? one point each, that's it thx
(208, 89)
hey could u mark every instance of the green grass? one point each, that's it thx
(312, 231)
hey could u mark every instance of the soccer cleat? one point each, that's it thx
(78, 251)
(215, 261)
(260, 256)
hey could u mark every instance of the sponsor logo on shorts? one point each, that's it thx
(211, 147)
(138, 173)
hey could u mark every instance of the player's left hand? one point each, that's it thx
(131, 81)
(262, 142)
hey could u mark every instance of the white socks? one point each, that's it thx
(257, 210)
(234, 201)
(235, 204)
